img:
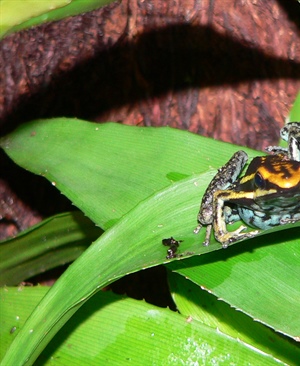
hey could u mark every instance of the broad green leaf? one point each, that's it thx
(53, 242)
(107, 169)
(117, 330)
(21, 14)
(258, 277)
(196, 303)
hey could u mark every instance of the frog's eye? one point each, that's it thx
(259, 181)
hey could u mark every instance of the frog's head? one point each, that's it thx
(274, 180)
(278, 175)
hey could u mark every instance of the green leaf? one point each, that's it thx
(17, 15)
(107, 169)
(258, 277)
(53, 242)
(196, 303)
(117, 330)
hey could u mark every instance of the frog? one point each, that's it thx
(267, 195)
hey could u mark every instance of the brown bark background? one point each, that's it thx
(221, 68)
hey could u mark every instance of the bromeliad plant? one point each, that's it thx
(109, 177)
(135, 187)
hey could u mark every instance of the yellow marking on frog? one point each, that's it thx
(229, 195)
(246, 178)
(264, 192)
(283, 175)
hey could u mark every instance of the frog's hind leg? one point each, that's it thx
(225, 176)
(222, 235)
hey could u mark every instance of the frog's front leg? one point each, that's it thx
(290, 133)
(222, 235)
(226, 175)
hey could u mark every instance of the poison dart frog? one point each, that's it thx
(267, 195)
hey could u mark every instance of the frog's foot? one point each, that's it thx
(276, 150)
(227, 238)
(198, 228)
(291, 220)
(207, 233)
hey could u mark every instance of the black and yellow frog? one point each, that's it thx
(267, 195)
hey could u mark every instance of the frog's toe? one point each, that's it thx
(197, 229)
(206, 243)
(229, 238)
(238, 231)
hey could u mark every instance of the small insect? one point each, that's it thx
(267, 195)
(173, 246)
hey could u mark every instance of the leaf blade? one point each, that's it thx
(252, 275)
(132, 331)
(53, 242)
(196, 303)
(111, 163)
